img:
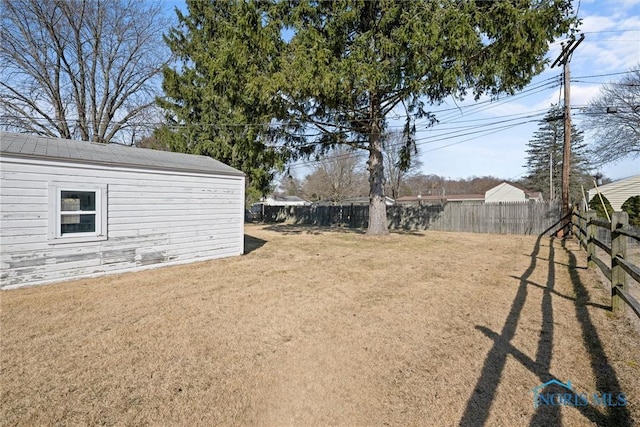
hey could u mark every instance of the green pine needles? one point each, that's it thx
(261, 82)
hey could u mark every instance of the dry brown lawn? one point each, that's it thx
(324, 327)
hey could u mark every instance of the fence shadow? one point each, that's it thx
(567, 297)
(606, 377)
(479, 404)
(291, 229)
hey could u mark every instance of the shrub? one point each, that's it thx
(632, 207)
(596, 205)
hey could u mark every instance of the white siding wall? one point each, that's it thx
(618, 192)
(504, 193)
(154, 218)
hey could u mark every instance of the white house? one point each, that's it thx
(276, 200)
(506, 192)
(72, 209)
(619, 192)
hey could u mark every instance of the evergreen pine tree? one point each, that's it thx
(218, 101)
(335, 70)
(544, 159)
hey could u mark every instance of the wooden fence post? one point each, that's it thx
(582, 225)
(591, 234)
(618, 248)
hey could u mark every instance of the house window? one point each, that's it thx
(77, 213)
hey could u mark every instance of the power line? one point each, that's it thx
(605, 75)
(428, 140)
(440, 136)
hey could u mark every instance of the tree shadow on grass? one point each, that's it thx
(478, 406)
(252, 243)
(292, 229)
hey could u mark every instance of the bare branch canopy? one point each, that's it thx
(80, 69)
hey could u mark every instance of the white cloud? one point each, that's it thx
(618, 51)
(595, 23)
(612, 31)
(581, 95)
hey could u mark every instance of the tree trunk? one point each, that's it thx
(377, 206)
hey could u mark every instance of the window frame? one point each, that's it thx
(56, 213)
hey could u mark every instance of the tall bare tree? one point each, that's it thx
(336, 176)
(614, 116)
(81, 69)
(397, 166)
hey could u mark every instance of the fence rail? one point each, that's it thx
(585, 227)
(500, 218)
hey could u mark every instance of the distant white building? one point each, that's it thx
(506, 192)
(284, 201)
(619, 192)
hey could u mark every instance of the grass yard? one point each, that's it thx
(321, 327)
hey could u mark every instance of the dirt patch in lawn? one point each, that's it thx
(318, 327)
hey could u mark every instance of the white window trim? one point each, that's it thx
(54, 202)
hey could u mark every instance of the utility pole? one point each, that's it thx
(564, 58)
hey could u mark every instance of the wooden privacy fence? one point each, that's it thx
(585, 226)
(501, 218)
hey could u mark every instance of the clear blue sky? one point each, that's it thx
(489, 138)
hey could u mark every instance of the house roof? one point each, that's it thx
(359, 200)
(288, 198)
(363, 200)
(463, 197)
(624, 183)
(419, 198)
(46, 148)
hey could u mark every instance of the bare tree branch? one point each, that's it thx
(614, 118)
(80, 68)
(336, 176)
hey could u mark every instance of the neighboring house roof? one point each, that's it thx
(287, 198)
(530, 194)
(505, 190)
(464, 197)
(618, 192)
(276, 200)
(45, 148)
(363, 200)
(420, 199)
(440, 198)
